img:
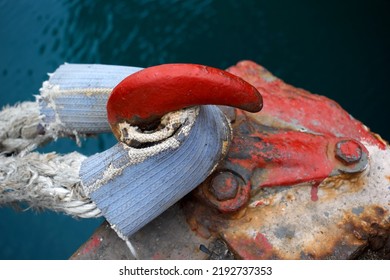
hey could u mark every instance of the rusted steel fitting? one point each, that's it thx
(224, 186)
(351, 156)
(293, 185)
(226, 191)
(292, 143)
(144, 97)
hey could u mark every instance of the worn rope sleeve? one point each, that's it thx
(45, 181)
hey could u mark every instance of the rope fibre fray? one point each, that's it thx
(45, 181)
(71, 104)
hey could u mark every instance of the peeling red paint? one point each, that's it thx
(262, 241)
(298, 137)
(92, 245)
(287, 104)
(266, 156)
(251, 248)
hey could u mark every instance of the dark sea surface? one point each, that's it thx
(340, 49)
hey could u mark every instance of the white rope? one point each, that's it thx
(45, 181)
(169, 123)
(38, 180)
(20, 129)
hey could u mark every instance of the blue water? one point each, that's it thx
(340, 49)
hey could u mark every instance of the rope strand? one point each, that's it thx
(45, 181)
(20, 130)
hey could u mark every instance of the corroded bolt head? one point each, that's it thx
(224, 186)
(348, 151)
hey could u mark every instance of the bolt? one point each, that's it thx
(348, 151)
(224, 186)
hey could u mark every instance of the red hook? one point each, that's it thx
(144, 97)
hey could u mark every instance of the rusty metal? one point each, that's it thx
(261, 156)
(166, 237)
(310, 182)
(307, 175)
(224, 186)
(286, 106)
(225, 190)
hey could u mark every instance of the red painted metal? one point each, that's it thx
(144, 97)
(262, 156)
(285, 105)
(298, 137)
(291, 186)
(254, 248)
(93, 245)
(349, 151)
(230, 194)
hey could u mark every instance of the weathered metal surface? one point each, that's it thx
(166, 237)
(286, 106)
(293, 223)
(262, 156)
(308, 180)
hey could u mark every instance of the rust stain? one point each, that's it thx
(202, 218)
(247, 235)
(331, 187)
(354, 230)
(290, 196)
(361, 225)
(371, 220)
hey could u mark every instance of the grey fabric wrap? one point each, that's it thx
(144, 190)
(75, 96)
